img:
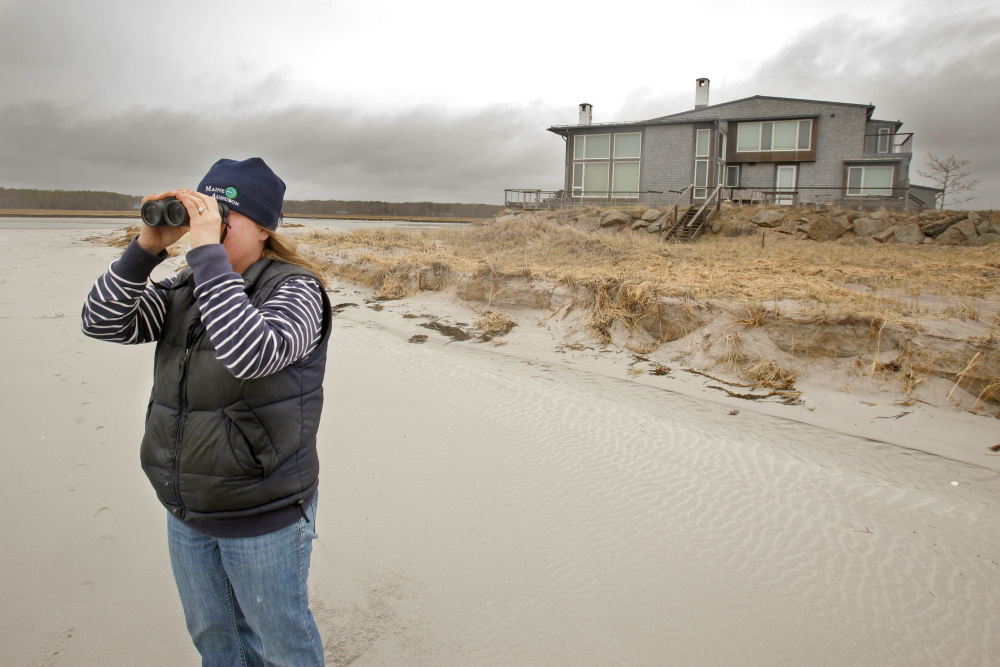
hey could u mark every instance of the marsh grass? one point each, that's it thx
(622, 278)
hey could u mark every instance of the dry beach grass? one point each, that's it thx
(892, 311)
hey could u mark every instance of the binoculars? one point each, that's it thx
(171, 212)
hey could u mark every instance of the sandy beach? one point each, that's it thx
(521, 504)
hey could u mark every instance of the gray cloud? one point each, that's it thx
(934, 69)
(416, 154)
(70, 75)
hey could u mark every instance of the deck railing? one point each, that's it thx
(537, 199)
(888, 144)
(896, 197)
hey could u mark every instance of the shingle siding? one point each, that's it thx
(667, 159)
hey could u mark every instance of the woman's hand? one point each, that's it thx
(206, 223)
(155, 240)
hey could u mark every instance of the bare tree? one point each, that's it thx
(948, 175)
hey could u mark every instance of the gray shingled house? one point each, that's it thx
(768, 149)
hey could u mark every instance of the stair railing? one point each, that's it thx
(697, 216)
(672, 210)
(699, 230)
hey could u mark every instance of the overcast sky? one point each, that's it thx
(448, 100)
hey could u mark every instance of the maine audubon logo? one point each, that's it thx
(228, 195)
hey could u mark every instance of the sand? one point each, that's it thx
(523, 504)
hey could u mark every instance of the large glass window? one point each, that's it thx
(628, 145)
(779, 135)
(590, 179)
(869, 180)
(805, 134)
(883, 140)
(748, 137)
(733, 176)
(700, 179)
(626, 180)
(592, 147)
(596, 170)
(701, 143)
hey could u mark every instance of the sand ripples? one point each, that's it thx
(555, 517)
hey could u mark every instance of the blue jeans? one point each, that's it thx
(246, 599)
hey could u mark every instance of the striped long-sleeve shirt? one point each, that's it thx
(251, 342)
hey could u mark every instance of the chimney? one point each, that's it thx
(587, 113)
(700, 93)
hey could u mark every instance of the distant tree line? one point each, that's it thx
(67, 200)
(87, 200)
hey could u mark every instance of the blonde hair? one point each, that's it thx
(284, 249)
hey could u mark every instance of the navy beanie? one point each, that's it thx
(248, 187)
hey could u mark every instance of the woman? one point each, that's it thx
(230, 440)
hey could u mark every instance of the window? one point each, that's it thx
(733, 176)
(626, 180)
(700, 179)
(883, 140)
(628, 145)
(779, 135)
(590, 179)
(701, 143)
(721, 147)
(862, 181)
(597, 170)
(592, 147)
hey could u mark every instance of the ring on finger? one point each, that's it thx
(201, 209)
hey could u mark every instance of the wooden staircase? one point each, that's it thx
(693, 223)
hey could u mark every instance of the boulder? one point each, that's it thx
(654, 228)
(937, 227)
(928, 239)
(768, 218)
(639, 224)
(615, 217)
(845, 222)
(973, 216)
(885, 235)
(995, 221)
(879, 215)
(824, 230)
(589, 223)
(984, 227)
(989, 238)
(651, 215)
(952, 236)
(967, 227)
(909, 233)
(869, 226)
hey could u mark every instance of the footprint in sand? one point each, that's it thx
(74, 609)
(104, 523)
(75, 477)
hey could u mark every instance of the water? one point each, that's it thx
(116, 223)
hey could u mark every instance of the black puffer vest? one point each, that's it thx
(217, 447)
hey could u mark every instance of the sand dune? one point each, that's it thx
(500, 506)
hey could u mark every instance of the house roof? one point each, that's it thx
(696, 115)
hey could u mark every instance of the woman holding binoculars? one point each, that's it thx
(230, 439)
